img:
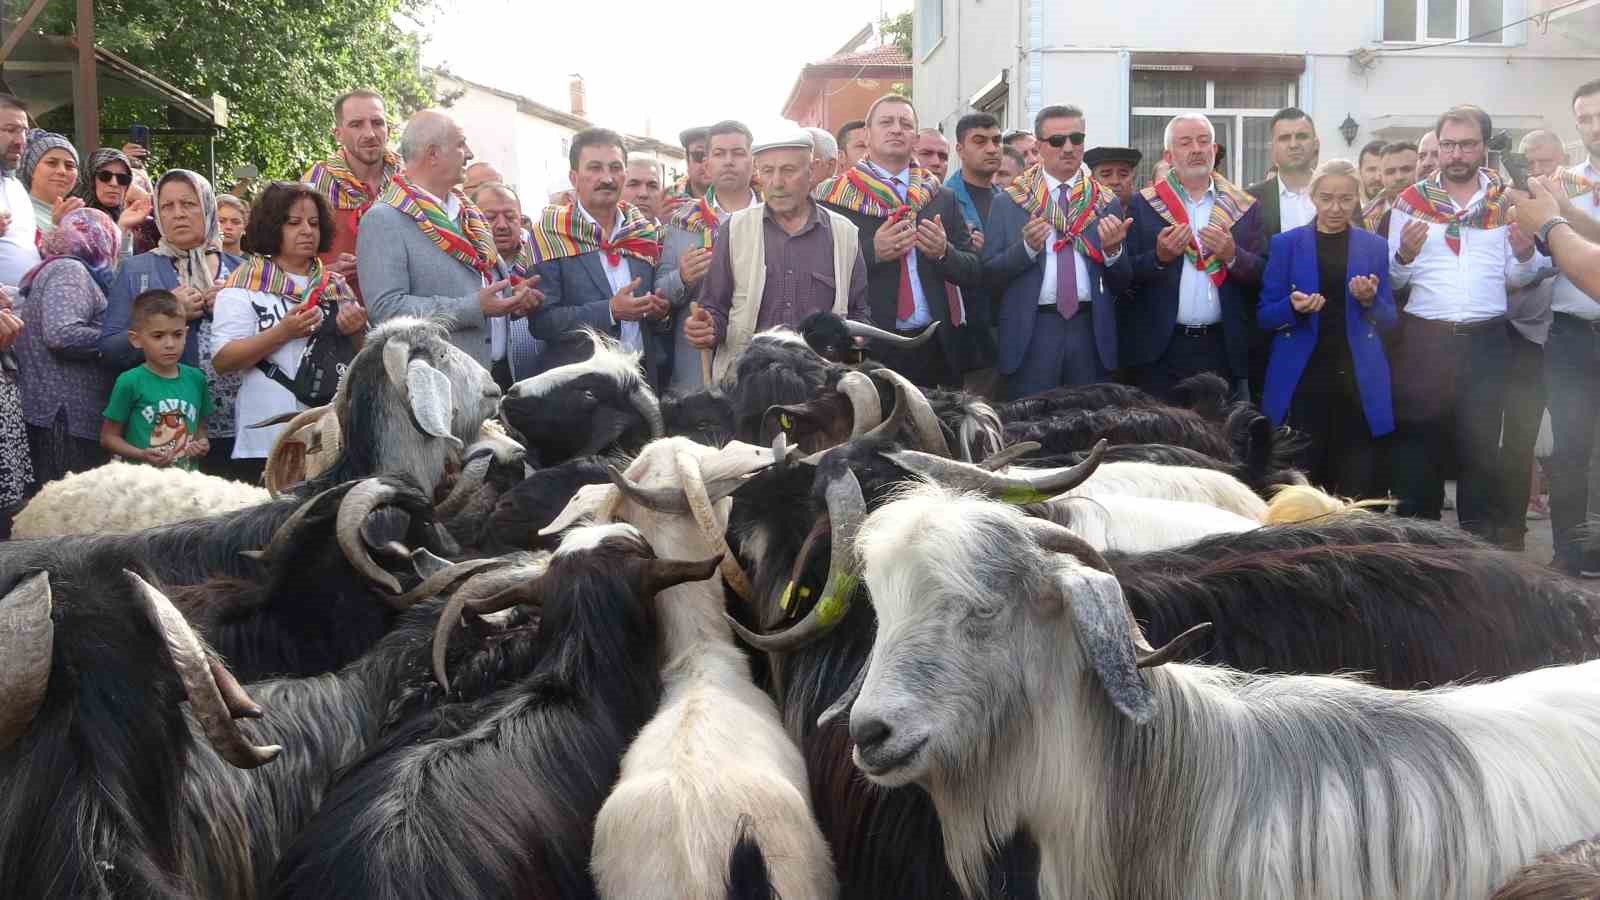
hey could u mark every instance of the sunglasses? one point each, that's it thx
(1060, 140)
(122, 178)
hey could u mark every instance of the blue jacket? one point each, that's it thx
(1016, 278)
(577, 293)
(1292, 265)
(138, 274)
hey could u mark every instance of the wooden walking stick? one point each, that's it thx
(705, 355)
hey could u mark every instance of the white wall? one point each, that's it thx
(528, 151)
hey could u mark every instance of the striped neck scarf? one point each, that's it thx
(333, 179)
(524, 263)
(1576, 185)
(260, 274)
(1372, 215)
(677, 196)
(1167, 198)
(1430, 202)
(1086, 201)
(469, 241)
(701, 217)
(563, 231)
(868, 191)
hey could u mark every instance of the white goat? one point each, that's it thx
(1186, 483)
(120, 498)
(1132, 524)
(716, 752)
(1006, 680)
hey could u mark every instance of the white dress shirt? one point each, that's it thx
(920, 317)
(450, 205)
(1567, 298)
(1198, 302)
(1047, 287)
(618, 277)
(1294, 209)
(1469, 287)
(17, 252)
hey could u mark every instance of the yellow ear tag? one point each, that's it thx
(783, 419)
(805, 593)
(788, 594)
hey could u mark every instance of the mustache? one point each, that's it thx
(605, 186)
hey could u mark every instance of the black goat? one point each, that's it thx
(776, 369)
(516, 519)
(1408, 604)
(599, 403)
(498, 798)
(704, 416)
(1205, 395)
(1069, 432)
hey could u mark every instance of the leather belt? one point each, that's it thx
(1196, 330)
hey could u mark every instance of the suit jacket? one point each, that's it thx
(577, 293)
(1155, 289)
(1016, 279)
(1267, 199)
(965, 348)
(404, 274)
(1293, 265)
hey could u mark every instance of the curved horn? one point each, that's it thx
(841, 707)
(194, 668)
(1008, 487)
(711, 528)
(889, 428)
(276, 477)
(467, 484)
(863, 330)
(657, 575)
(396, 356)
(234, 697)
(846, 509)
(925, 428)
(286, 534)
(1009, 455)
(359, 503)
(865, 407)
(27, 643)
(644, 400)
(442, 580)
(483, 595)
(668, 500)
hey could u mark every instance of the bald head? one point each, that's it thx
(435, 151)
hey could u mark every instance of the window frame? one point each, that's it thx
(1463, 27)
(924, 43)
(1234, 164)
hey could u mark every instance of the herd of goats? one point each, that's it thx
(815, 633)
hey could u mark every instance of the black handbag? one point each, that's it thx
(328, 353)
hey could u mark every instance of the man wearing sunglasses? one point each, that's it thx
(692, 185)
(1196, 249)
(1054, 251)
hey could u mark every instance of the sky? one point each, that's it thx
(649, 67)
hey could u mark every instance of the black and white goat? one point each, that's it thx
(497, 798)
(596, 404)
(1009, 680)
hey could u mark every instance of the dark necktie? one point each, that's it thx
(1066, 269)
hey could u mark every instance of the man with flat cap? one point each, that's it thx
(777, 262)
(1114, 167)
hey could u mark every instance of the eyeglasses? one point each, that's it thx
(697, 156)
(106, 177)
(1060, 140)
(1468, 146)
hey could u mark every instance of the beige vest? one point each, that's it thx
(747, 252)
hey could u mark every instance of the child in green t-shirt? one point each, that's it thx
(157, 411)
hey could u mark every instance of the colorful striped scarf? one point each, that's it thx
(1427, 200)
(333, 179)
(1086, 202)
(863, 189)
(522, 266)
(469, 241)
(1372, 215)
(677, 196)
(1576, 185)
(563, 231)
(1166, 198)
(701, 217)
(260, 274)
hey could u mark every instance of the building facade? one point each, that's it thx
(831, 92)
(1390, 66)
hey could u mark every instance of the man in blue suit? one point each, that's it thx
(1196, 253)
(599, 259)
(1054, 255)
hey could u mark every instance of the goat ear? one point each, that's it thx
(1105, 634)
(428, 389)
(589, 502)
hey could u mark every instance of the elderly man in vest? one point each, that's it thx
(777, 262)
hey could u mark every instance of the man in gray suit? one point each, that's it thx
(424, 250)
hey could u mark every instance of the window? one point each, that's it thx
(930, 24)
(1421, 21)
(1239, 106)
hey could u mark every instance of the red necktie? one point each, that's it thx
(907, 306)
(1066, 271)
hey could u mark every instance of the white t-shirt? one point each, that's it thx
(17, 252)
(241, 314)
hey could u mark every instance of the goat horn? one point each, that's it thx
(484, 596)
(234, 697)
(1171, 650)
(276, 476)
(1061, 539)
(846, 509)
(27, 644)
(396, 356)
(1009, 455)
(817, 531)
(644, 400)
(657, 575)
(841, 707)
(668, 500)
(712, 530)
(194, 668)
(359, 503)
(866, 410)
(863, 330)
(443, 580)
(467, 483)
(889, 428)
(288, 532)
(925, 426)
(1008, 488)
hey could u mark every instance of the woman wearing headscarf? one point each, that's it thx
(190, 262)
(104, 184)
(49, 170)
(63, 387)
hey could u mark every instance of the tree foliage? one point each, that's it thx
(896, 30)
(279, 63)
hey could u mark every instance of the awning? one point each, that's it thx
(42, 67)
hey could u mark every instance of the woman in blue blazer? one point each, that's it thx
(1326, 299)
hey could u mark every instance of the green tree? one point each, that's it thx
(896, 31)
(279, 63)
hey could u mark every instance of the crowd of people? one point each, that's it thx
(1409, 313)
